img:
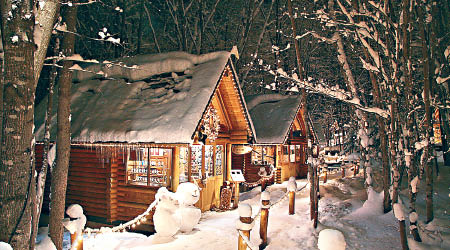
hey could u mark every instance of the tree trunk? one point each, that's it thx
(42, 175)
(45, 20)
(59, 174)
(428, 127)
(409, 121)
(16, 165)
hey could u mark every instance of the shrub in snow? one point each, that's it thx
(5, 246)
(330, 239)
(188, 194)
(166, 221)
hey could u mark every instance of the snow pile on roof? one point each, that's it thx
(272, 115)
(148, 98)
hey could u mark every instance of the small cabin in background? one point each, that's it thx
(280, 135)
(147, 122)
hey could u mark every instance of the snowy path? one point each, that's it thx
(342, 206)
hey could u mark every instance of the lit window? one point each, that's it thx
(148, 166)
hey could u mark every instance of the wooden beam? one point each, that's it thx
(223, 109)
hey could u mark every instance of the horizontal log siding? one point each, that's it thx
(251, 171)
(131, 200)
(87, 184)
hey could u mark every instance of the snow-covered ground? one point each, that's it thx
(343, 206)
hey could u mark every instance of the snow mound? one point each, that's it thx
(245, 210)
(5, 246)
(331, 239)
(265, 196)
(372, 206)
(45, 244)
(292, 185)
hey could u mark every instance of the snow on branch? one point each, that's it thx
(334, 92)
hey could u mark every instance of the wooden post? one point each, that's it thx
(316, 198)
(291, 188)
(343, 171)
(245, 213)
(265, 204)
(291, 202)
(76, 241)
(326, 174)
(354, 170)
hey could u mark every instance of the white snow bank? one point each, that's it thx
(331, 239)
(45, 244)
(5, 246)
(398, 212)
(372, 206)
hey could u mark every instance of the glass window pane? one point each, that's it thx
(196, 161)
(183, 164)
(137, 166)
(159, 166)
(209, 161)
(219, 160)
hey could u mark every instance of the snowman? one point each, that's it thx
(76, 223)
(166, 221)
(188, 194)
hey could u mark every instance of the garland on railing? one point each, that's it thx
(264, 177)
(123, 227)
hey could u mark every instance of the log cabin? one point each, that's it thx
(280, 135)
(147, 122)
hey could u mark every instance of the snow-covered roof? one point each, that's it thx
(148, 98)
(272, 116)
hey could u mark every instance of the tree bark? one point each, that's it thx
(42, 175)
(428, 127)
(16, 165)
(45, 20)
(59, 173)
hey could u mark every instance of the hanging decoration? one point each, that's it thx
(211, 124)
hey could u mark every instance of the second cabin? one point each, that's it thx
(280, 134)
(151, 121)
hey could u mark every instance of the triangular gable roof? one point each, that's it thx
(163, 103)
(272, 116)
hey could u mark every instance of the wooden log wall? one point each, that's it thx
(131, 200)
(89, 174)
(251, 171)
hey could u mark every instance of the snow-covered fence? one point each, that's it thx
(263, 215)
(244, 225)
